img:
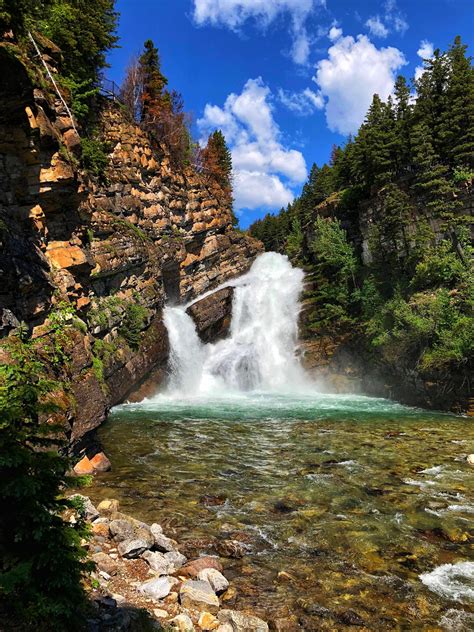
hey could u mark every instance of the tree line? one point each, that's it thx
(408, 285)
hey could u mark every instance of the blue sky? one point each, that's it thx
(285, 79)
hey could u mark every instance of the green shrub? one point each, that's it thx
(94, 157)
(42, 561)
(133, 323)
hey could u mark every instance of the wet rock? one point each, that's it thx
(159, 587)
(183, 623)
(105, 563)
(198, 595)
(208, 621)
(287, 624)
(101, 463)
(108, 506)
(84, 466)
(212, 501)
(125, 528)
(132, 548)
(241, 622)
(191, 569)
(231, 548)
(215, 578)
(283, 507)
(88, 509)
(349, 617)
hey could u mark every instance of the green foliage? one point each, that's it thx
(94, 157)
(133, 323)
(42, 559)
(294, 242)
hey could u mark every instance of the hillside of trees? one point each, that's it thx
(382, 228)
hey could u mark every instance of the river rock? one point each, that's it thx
(159, 563)
(470, 459)
(132, 548)
(84, 466)
(108, 506)
(215, 578)
(105, 563)
(101, 463)
(193, 568)
(125, 528)
(159, 587)
(241, 622)
(183, 623)
(208, 621)
(163, 543)
(231, 548)
(198, 595)
(176, 558)
(88, 509)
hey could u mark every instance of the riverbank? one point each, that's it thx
(143, 582)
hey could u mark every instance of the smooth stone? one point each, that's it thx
(215, 578)
(89, 510)
(242, 622)
(132, 548)
(198, 595)
(470, 459)
(159, 587)
(183, 623)
(159, 563)
(83, 467)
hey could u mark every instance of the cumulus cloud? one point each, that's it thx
(376, 27)
(426, 51)
(264, 170)
(234, 13)
(302, 103)
(392, 20)
(354, 70)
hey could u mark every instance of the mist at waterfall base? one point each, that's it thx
(365, 504)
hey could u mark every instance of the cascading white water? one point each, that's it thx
(259, 354)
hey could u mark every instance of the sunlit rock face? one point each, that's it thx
(144, 233)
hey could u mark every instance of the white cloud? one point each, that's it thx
(392, 20)
(425, 51)
(354, 70)
(302, 103)
(234, 13)
(376, 27)
(264, 170)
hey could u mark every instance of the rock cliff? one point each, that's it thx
(86, 264)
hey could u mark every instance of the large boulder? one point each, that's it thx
(198, 595)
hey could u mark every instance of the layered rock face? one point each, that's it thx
(101, 257)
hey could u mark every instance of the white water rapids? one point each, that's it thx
(259, 354)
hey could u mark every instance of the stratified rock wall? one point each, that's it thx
(111, 251)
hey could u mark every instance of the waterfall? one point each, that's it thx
(259, 354)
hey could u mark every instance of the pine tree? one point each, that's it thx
(403, 124)
(459, 118)
(217, 161)
(154, 82)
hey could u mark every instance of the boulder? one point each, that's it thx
(84, 466)
(208, 621)
(183, 623)
(125, 528)
(108, 506)
(88, 509)
(101, 463)
(193, 568)
(132, 548)
(105, 563)
(242, 622)
(159, 587)
(215, 578)
(198, 595)
(158, 563)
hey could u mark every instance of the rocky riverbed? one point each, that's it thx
(143, 581)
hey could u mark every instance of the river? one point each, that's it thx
(339, 510)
